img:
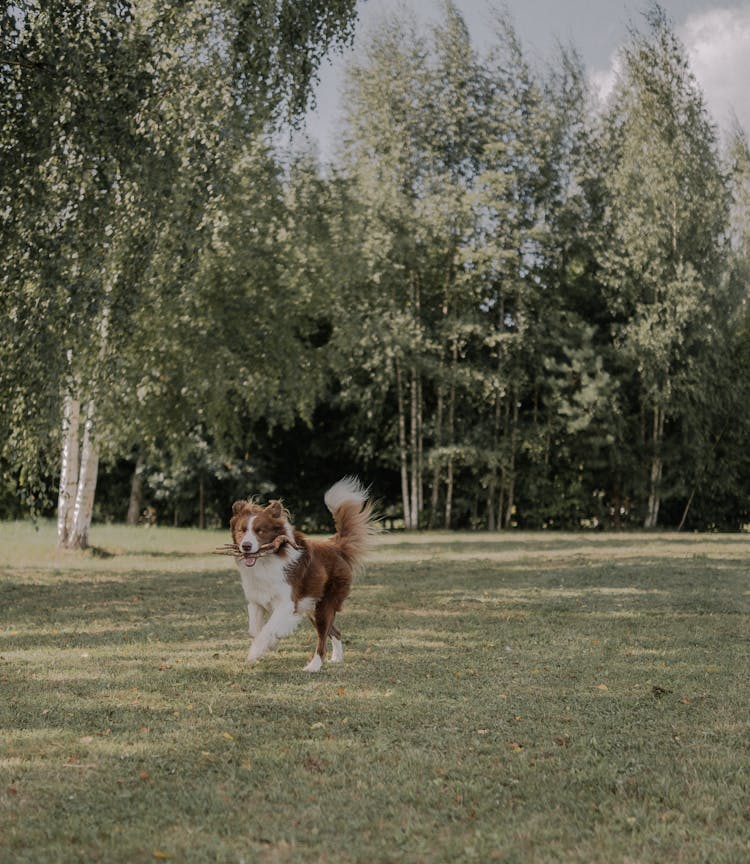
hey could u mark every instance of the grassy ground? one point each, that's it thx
(529, 698)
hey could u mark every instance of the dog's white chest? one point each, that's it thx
(265, 583)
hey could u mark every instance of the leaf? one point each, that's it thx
(227, 736)
(603, 687)
(160, 856)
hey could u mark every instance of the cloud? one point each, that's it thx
(718, 45)
(718, 48)
(603, 80)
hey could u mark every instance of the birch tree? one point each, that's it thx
(666, 219)
(385, 157)
(111, 110)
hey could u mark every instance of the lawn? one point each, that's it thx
(517, 698)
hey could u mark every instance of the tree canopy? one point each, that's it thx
(503, 303)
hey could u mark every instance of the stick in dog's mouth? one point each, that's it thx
(249, 558)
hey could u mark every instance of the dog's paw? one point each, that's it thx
(337, 656)
(315, 665)
(253, 657)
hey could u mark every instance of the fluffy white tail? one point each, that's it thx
(348, 501)
(347, 490)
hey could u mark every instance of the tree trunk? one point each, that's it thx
(451, 437)
(135, 505)
(78, 536)
(435, 499)
(654, 498)
(78, 491)
(449, 495)
(403, 453)
(201, 503)
(503, 472)
(493, 483)
(69, 468)
(414, 435)
(686, 510)
(420, 449)
(616, 506)
(512, 467)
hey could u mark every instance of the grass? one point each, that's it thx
(519, 698)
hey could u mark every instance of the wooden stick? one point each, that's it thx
(267, 549)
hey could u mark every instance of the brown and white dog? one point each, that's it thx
(301, 576)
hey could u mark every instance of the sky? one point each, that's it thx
(715, 34)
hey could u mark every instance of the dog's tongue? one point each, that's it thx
(250, 562)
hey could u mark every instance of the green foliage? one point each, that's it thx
(122, 126)
(507, 305)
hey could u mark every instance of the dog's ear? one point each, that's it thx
(275, 509)
(238, 507)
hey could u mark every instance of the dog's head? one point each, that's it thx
(254, 526)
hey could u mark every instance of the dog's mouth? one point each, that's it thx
(249, 559)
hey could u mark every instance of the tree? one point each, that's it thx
(666, 218)
(119, 121)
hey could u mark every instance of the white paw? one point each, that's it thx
(337, 655)
(315, 664)
(253, 656)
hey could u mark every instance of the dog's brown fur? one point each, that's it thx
(318, 570)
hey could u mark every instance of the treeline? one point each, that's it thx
(504, 304)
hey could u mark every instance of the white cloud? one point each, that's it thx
(603, 80)
(718, 45)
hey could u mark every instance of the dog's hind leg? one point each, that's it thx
(337, 655)
(324, 615)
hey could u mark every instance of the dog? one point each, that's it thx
(286, 575)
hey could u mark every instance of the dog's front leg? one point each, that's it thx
(283, 621)
(254, 618)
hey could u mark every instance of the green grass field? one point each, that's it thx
(518, 698)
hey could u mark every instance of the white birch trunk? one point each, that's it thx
(657, 467)
(136, 491)
(449, 495)
(512, 467)
(654, 498)
(413, 429)
(420, 449)
(403, 455)
(451, 437)
(438, 442)
(68, 468)
(78, 537)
